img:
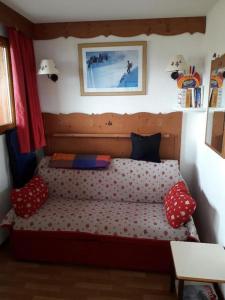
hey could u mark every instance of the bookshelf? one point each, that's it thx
(191, 109)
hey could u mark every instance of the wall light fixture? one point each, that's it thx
(47, 67)
(176, 64)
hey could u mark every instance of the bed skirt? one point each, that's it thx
(89, 249)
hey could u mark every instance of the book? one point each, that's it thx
(219, 97)
(198, 97)
(188, 101)
(182, 97)
(190, 98)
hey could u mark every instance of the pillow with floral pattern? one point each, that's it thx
(28, 199)
(179, 205)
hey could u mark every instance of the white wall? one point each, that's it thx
(64, 95)
(208, 176)
(210, 167)
(5, 181)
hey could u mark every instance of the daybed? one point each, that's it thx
(113, 217)
(110, 218)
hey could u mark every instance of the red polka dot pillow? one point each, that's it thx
(28, 199)
(180, 186)
(179, 205)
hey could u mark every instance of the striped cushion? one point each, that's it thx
(79, 161)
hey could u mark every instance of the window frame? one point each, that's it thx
(5, 43)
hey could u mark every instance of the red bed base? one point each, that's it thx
(90, 249)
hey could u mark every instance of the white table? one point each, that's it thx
(199, 262)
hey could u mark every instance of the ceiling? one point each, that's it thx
(40, 11)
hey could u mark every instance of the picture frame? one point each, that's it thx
(117, 68)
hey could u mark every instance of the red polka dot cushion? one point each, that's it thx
(28, 199)
(179, 205)
(180, 186)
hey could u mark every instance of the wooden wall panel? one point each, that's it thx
(122, 28)
(110, 133)
(10, 18)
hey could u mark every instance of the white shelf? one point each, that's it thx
(216, 109)
(100, 135)
(191, 109)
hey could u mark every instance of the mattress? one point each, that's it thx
(125, 180)
(103, 218)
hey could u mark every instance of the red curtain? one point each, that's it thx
(29, 121)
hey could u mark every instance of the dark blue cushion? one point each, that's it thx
(146, 147)
(22, 165)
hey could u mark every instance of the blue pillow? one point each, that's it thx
(146, 147)
(22, 165)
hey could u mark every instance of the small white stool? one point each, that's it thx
(200, 262)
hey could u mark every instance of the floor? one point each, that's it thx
(23, 281)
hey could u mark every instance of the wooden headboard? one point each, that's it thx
(109, 133)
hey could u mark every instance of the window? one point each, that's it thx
(7, 114)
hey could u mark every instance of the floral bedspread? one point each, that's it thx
(125, 180)
(125, 219)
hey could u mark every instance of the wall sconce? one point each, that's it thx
(47, 67)
(176, 64)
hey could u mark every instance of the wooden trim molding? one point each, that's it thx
(121, 28)
(10, 18)
(100, 135)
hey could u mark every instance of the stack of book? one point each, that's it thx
(190, 97)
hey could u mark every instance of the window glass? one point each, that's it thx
(6, 98)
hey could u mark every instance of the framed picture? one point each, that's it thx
(112, 68)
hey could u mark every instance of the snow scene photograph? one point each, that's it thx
(109, 68)
(112, 69)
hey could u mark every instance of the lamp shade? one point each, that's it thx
(47, 67)
(176, 63)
